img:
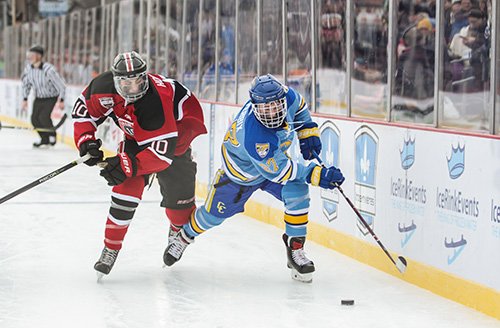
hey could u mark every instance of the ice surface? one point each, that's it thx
(233, 276)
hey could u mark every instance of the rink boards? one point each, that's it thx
(430, 196)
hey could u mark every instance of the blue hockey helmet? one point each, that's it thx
(268, 98)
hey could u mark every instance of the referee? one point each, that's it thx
(49, 89)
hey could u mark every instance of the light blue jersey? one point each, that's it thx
(255, 157)
(252, 153)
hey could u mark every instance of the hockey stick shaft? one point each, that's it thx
(401, 263)
(26, 128)
(44, 178)
(61, 122)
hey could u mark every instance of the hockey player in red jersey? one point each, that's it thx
(160, 118)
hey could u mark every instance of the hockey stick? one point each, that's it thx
(57, 126)
(401, 262)
(45, 178)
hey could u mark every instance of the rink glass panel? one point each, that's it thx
(227, 52)
(464, 93)
(191, 30)
(152, 36)
(351, 77)
(414, 53)
(497, 67)
(207, 34)
(331, 53)
(247, 47)
(299, 74)
(271, 56)
(369, 75)
(3, 13)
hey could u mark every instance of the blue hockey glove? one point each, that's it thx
(325, 177)
(309, 140)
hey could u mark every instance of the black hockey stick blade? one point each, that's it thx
(61, 121)
(44, 178)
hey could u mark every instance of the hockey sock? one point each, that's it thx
(114, 235)
(179, 217)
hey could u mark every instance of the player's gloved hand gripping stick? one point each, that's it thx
(45, 178)
(401, 261)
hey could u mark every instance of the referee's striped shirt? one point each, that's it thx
(44, 80)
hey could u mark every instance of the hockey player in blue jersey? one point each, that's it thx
(254, 156)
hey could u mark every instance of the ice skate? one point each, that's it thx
(40, 145)
(173, 232)
(52, 140)
(176, 248)
(301, 267)
(105, 263)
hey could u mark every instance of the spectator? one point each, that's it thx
(460, 9)
(472, 47)
(332, 40)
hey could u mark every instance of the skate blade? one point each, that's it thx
(302, 277)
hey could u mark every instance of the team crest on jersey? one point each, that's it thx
(107, 102)
(126, 126)
(262, 149)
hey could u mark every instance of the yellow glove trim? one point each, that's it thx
(306, 133)
(316, 176)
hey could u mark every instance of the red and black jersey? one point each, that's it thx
(163, 122)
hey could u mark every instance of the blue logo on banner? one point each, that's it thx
(330, 139)
(456, 162)
(408, 154)
(366, 143)
(457, 246)
(408, 232)
(366, 154)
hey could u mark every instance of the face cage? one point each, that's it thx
(143, 85)
(271, 114)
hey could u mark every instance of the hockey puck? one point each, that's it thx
(347, 302)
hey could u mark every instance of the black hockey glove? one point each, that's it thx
(118, 168)
(91, 147)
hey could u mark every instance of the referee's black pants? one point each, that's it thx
(40, 118)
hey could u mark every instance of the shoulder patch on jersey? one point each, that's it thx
(107, 102)
(262, 149)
